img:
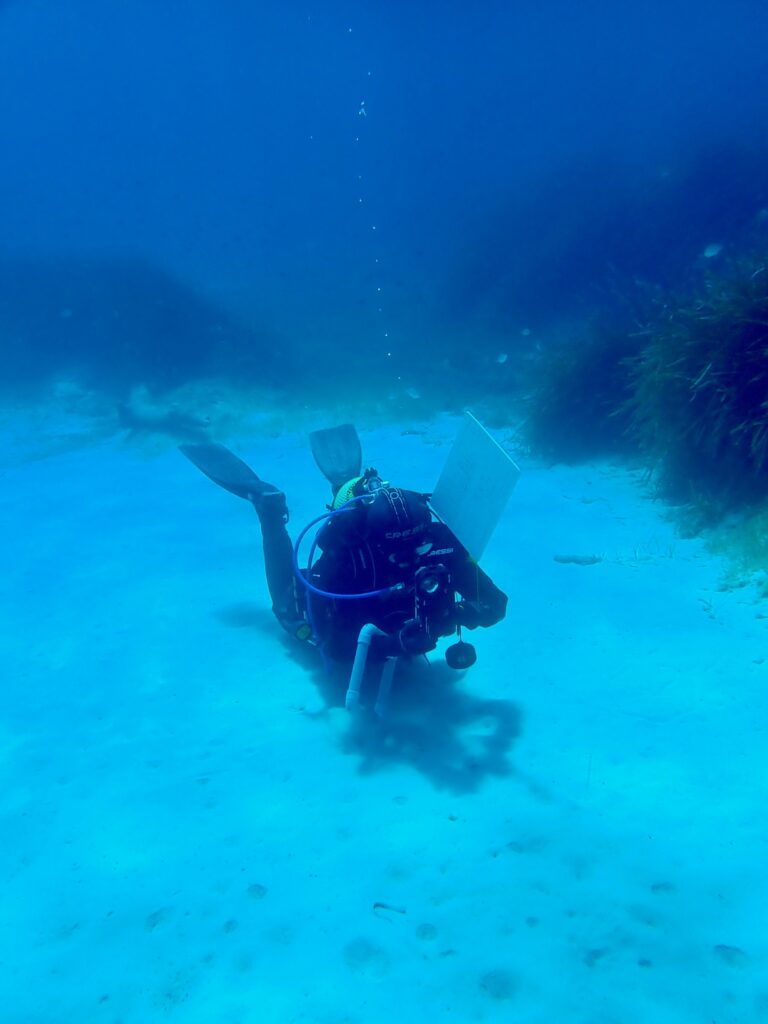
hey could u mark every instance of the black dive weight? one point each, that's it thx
(460, 655)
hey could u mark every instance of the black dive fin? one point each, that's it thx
(225, 469)
(338, 453)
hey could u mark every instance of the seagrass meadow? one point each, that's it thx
(679, 387)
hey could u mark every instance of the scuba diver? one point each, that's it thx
(390, 580)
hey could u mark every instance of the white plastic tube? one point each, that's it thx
(366, 635)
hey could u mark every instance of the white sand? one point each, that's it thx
(574, 830)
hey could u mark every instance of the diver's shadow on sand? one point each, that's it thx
(454, 738)
(252, 616)
(246, 615)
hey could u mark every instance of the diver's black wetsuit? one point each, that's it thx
(379, 537)
(414, 617)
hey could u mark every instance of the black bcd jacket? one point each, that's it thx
(442, 588)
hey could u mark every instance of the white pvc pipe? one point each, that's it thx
(366, 635)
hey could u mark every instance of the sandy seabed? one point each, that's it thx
(193, 828)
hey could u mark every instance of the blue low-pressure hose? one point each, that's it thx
(327, 593)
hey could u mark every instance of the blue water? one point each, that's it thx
(512, 163)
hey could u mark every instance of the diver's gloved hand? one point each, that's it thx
(271, 507)
(414, 638)
(469, 614)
